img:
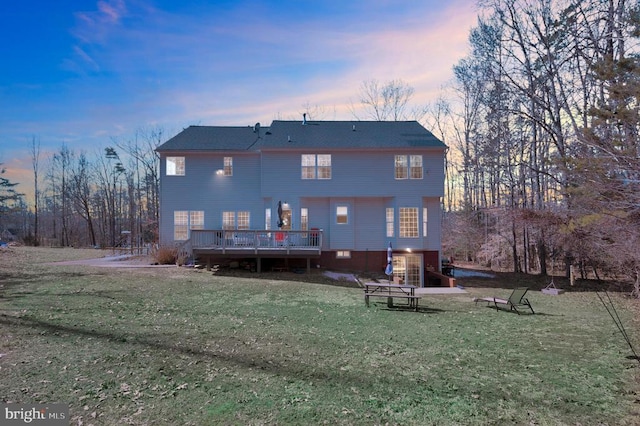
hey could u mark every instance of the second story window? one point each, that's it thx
(408, 166)
(402, 168)
(324, 166)
(228, 166)
(316, 166)
(175, 166)
(415, 166)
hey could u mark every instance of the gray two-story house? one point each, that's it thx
(333, 194)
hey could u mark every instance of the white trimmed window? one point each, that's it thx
(324, 166)
(390, 219)
(408, 167)
(228, 220)
(402, 167)
(415, 166)
(308, 166)
(267, 218)
(316, 166)
(342, 215)
(175, 166)
(228, 166)
(408, 222)
(244, 220)
(196, 220)
(425, 219)
(184, 220)
(304, 219)
(180, 225)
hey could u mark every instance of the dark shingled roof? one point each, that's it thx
(311, 134)
(213, 138)
(349, 134)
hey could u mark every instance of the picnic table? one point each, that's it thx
(391, 291)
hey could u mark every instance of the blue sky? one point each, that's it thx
(81, 73)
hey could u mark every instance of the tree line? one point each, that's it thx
(107, 199)
(543, 168)
(543, 121)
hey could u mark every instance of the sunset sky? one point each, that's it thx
(81, 73)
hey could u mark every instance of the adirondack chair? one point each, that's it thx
(515, 302)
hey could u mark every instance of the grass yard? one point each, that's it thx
(177, 346)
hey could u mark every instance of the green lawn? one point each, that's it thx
(183, 346)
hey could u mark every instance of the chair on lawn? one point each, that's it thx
(515, 301)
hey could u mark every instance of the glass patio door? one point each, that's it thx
(407, 269)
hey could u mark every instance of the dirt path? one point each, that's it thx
(121, 261)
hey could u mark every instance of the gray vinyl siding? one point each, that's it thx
(201, 189)
(365, 174)
(370, 222)
(342, 234)
(319, 217)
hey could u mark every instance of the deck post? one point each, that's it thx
(259, 265)
(308, 265)
(208, 263)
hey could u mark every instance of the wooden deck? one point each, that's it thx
(255, 243)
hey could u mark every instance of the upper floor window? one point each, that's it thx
(316, 166)
(228, 166)
(342, 214)
(408, 166)
(175, 166)
(415, 166)
(408, 222)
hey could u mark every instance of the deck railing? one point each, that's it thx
(256, 239)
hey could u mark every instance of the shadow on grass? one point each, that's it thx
(274, 366)
(409, 309)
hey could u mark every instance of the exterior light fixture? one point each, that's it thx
(219, 172)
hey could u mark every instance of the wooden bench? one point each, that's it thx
(411, 300)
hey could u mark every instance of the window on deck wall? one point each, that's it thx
(304, 219)
(243, 220)
(267, 218)
(228, 220)
(175, 166)
(184, 220)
